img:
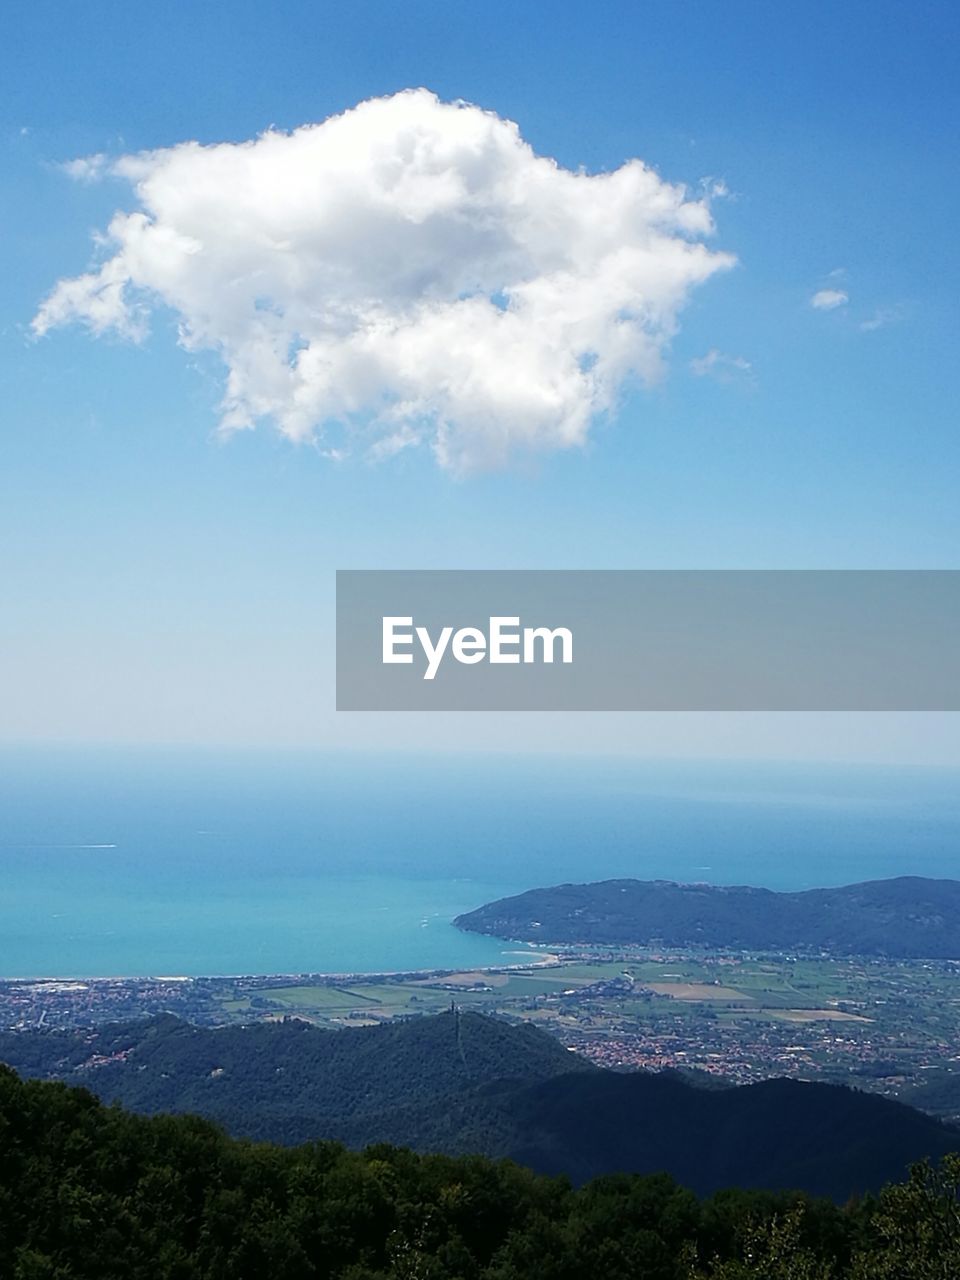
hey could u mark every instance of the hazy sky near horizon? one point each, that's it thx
(785, 397)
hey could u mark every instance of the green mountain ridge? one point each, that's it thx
(288, 1081)
(469, 1084)
(909, 917)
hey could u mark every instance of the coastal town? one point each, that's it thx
(881, 1024)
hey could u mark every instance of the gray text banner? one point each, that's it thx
(648, 640)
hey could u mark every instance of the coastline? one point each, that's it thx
(74, 981)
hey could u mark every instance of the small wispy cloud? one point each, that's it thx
(881, 318)
(829, 299)
(717, 364)
(86, 168)
(833, 295)
(716, 189)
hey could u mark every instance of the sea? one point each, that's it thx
(157, 862)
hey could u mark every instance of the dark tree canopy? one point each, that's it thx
(89, 1192)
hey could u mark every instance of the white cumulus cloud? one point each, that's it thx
(409, 271)
(829, 299)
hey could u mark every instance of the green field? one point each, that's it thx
(640, 986)
(885, 1024)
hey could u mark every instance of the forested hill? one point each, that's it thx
(464, 1084)
(826, 1140)
(289, 1081)
(95, 1193)
(908, 917)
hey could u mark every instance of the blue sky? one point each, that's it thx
(163, 584)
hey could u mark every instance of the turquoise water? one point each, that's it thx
(162, 862)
